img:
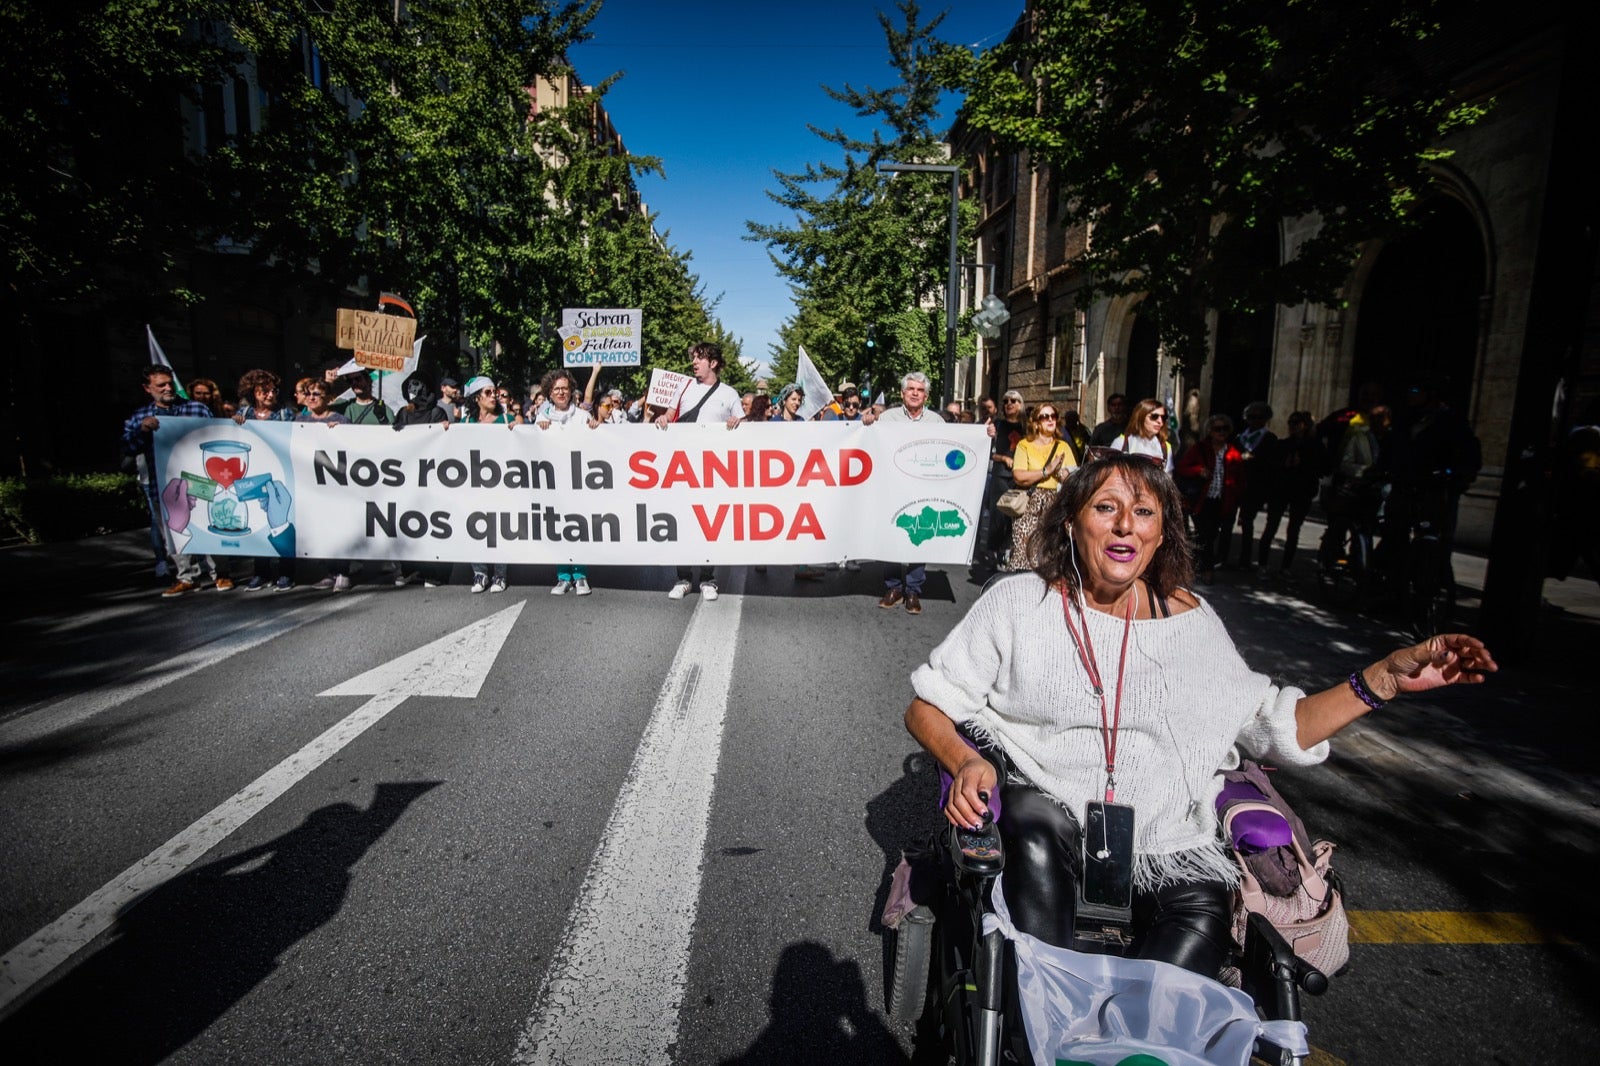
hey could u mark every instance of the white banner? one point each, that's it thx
(618, 494)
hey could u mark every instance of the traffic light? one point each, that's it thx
(872, 337)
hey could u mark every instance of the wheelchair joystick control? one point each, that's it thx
(980, 849)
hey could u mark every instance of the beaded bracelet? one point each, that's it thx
(1358, 685)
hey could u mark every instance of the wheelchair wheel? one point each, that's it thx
(913, 952)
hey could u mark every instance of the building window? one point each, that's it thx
(1068, 340)
(242, 125)
(1041, 319)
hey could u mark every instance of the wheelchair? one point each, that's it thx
(958, 983)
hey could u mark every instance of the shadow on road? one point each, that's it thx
(179, 958)
(819, 1013)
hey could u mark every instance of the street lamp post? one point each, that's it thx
(950, 294)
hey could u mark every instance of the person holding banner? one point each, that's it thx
(906, 586)
(258, 402)
(421, 409)
(790, 397)
(560, 412)
(138, 441)
(481, 406)
(706, 400)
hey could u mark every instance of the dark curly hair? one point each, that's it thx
(257, 379)
(1171, 568)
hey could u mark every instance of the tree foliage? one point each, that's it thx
(865, 250)
(1180, 130)
(396, 148)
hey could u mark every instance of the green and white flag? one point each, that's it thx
(159, 358)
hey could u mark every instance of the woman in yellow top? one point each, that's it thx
(1038, 464)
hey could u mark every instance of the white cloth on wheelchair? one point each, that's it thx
(1099, 1009)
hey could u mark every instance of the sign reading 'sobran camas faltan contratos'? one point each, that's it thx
(381, 342)
(604, 336)
(613, 495)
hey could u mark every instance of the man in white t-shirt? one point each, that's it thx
(707, 400)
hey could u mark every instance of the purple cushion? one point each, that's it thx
(1255, 831)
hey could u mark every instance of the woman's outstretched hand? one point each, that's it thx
(1442, 659)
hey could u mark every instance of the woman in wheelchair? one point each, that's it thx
(1099, 682)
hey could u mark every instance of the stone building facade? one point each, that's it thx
(1450, 300)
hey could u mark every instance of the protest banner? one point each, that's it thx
(666, 387)
(381, 342)
(601, 336)
(620, 495)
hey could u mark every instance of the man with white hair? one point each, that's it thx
(906, 585)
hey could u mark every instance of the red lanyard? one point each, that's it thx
(1112, 721)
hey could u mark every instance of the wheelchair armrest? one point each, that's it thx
(1273, 974)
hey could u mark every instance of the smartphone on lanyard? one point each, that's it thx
(1107, 882)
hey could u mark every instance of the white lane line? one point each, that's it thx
(40, 721)
(471, 650)
(615, 985)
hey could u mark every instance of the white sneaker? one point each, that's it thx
(401, 578)
(708, 590)
(581, 586)
(560, 587)
(479, 585)
(679, 591)
(341, 583)
(325, 583)
(497, 585)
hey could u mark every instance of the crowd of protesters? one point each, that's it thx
(1364, 461)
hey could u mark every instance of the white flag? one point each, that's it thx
(818, 395)
(159, 358)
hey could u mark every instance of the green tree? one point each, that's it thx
(1178, 130)
(864, 250)
(97, 197)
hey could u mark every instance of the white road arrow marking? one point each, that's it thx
(615, 986)
(41, 721)
(453, 665)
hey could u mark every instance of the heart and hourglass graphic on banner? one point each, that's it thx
(227, 487)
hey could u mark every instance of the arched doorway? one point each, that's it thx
(1143, 341)
(1419, 311)
(1241, 365)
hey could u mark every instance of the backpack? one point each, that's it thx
(1284, 876)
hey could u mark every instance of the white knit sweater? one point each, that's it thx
(1010, 668)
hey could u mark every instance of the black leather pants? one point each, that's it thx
(1188, 925)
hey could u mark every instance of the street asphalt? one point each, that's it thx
(405, 898)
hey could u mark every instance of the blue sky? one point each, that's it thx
(722, 93)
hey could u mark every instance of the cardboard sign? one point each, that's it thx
(381, 342)
(665, 388)
(601, 336)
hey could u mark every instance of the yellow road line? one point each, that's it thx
(1448, 927)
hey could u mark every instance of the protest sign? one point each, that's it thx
(666, 386)
(621, 495)
(381, 342)
(601, 336)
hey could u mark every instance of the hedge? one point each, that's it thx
(70, 506)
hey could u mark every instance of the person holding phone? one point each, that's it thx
(1103, 693)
